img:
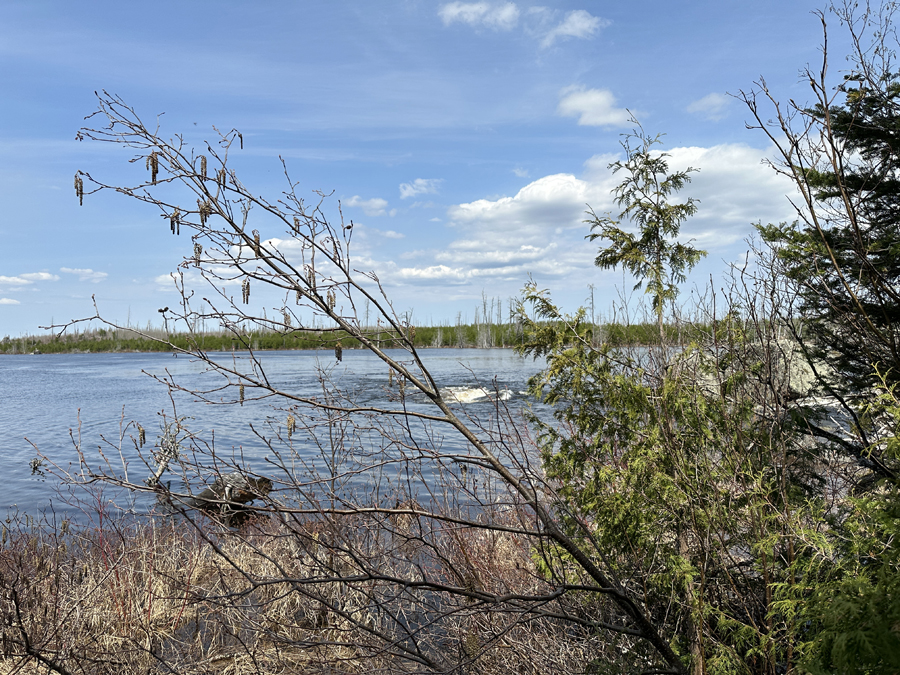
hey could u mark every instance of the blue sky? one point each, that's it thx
(464, 139)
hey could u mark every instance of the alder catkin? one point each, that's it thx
(338, 350)
(245, 291)
(256, 248)
(203, 166)
(198, 251)
(205, 210)
(153, 166)
(142, 436)
(175, 221)
(79, 189)
(291, 423)
(241, 393)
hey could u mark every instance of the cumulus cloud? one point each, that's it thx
(371, 207)
(85, 274)
(496, 16)
(576, 24)
(543, 205)
(9, 301)
(540, 230)
(593, 107)
(420, 186)
(712, 106)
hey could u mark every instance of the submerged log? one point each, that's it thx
(227, 498)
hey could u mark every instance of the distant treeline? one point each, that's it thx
(479, 335)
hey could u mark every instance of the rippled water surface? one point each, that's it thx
(44, 396)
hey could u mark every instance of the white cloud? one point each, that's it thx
(540, 230)
(541, 206)
(712, 106)
(492, 15)
(13, 281)
(577, 24)
(85, 274)
(27, 279)
(387, 234)
(9, 301)
(420, 186)
(593, 107)
(521, 173)
(371, 207)
(39, 276)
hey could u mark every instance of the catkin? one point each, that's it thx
(203, 166)
(205, 210)
(153, 166)
(245, 291)
(338, 350)
(291, 423)
(79, 189)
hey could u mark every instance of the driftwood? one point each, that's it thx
(227, 498)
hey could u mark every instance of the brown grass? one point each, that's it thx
(283, 594)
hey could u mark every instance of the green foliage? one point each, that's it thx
(674, 487)
(844, 256)
(855, 607)
(650, 256)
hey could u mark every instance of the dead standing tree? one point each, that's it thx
(407, 607)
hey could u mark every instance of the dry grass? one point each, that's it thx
(283, 594)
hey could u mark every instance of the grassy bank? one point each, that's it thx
(484, 336)
(286, 594)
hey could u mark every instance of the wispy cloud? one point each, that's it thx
(420, 186)
(577, 24)
(496, 16)
(371, 207)
(27, 279)
(85, 274)
(9, 301)
(593, 107)
(39, 276)
(541, 23)
(712, 106)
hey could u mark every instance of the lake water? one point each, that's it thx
(45, 395)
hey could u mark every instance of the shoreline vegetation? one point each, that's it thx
(460, 336)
